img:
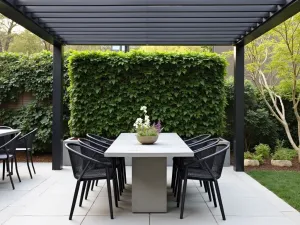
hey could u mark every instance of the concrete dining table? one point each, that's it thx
(149, 168)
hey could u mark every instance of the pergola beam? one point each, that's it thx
(187, 43)
(27, 22)
(279, 17)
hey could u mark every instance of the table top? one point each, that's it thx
(167, 145)
(4, 132)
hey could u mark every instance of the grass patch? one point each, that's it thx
(285, 184)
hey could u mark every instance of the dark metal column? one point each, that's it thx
(57, 104)
(239, 60)
(126, 48)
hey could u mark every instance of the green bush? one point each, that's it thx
(184, 91)
(253, 156)
(260, 126)
(284, 154)
(263, 149)
(21, 73)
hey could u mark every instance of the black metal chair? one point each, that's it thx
(107, 142)
(25, 145)
(102, 149)
(86, 168)
(197, 139)
(195, 148)
(8, 152)
(211, 160)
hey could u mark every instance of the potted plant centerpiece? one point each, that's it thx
(146, 134)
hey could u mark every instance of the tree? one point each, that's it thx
(26, 42)
(6, 32)
(278, 54)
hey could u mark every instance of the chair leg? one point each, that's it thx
(32, 162)
(208, 190)
(9, 174)
(116, 191)
(27, 159)
(124, 171)
(109, 198)
(97, 182)
(74, 199)
(3, 172)
(121, 182)
(17, 171)
(205, 186)
(12, 166)
(82, 193)
(87, 189)
(179, 190)
(175, 182)
(93, 182)
(200, 182)
(173, 175)
(183, 195)
(213, 193)
(219, 199)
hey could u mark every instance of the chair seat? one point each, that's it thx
(4, 156)
(23, 149)
(95, 174)
(199, 174)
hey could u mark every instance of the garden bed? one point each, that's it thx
(38, 157)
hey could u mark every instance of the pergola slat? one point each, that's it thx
(100, 9)
(151, 20)
(202, 33)
(154, 15)
(149, 25)
(147, 3)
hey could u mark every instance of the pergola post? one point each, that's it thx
(126, 48)
(57, 104)
(239, 60)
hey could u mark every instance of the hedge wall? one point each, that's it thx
(21, 73)
(184, 91)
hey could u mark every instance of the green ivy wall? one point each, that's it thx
(184, 91)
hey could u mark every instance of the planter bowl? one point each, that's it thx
(147, 140)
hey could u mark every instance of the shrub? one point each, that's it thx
(21, 73)
(263, 150)
(253, 156)
(284, 154)
(184, 91)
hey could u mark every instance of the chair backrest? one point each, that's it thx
(81, 158)
(101, 140)
(5, 127)
(198, 146)
(199, 138)
(96, 145)
(215, 160)
(26, 140)
(10, 146)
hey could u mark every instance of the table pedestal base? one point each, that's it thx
(149, 185)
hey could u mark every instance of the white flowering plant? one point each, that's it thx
(143, 127)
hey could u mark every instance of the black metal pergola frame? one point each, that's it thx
(149, 22)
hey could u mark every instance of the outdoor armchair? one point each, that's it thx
(87, 167)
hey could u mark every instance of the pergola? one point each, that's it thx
(149, 22)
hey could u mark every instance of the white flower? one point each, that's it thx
(138, 122)
(147, 121)
(144, 109)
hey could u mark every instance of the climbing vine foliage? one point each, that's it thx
(184, 91)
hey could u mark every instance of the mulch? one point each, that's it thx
(38, 157)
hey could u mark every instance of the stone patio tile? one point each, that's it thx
(45, 220)
(237, 220)
(133, 219)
